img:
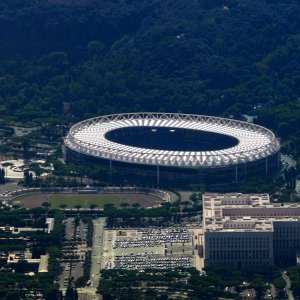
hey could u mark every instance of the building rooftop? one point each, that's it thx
(245, 212)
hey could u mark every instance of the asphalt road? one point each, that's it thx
(69, 229)
(89, 293)
(97, 250)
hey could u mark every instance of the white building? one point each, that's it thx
(245, 231)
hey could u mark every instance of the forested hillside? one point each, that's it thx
(228, 57)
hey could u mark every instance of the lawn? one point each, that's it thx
(85, 200)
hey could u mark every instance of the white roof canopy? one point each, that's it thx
(255, 142)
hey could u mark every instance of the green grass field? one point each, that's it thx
(84, 200)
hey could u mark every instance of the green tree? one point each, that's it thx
(78, 206)
(95, 48)
(93, 206)
(46, 204)
(22, 266)
(28, 178)
(2, 176)
(63, 206)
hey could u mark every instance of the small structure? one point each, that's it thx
(50, 224)
(43, 266)
(42, 262)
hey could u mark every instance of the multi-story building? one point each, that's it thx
(245, 231)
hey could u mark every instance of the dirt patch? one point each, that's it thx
(33, 200)
(36, 200)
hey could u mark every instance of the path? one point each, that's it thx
(288, 286)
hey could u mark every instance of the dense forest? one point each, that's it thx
(228, 57)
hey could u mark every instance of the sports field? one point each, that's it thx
(86, 200)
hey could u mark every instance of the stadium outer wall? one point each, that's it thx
(121, 173)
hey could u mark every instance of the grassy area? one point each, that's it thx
(85, 200)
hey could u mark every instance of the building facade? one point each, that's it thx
(246, 231)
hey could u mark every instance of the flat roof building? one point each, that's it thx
(245, 231)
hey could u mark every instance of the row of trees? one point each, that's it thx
(124, 283)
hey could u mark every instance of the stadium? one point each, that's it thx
(173, 149)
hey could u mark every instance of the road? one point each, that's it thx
(89, 292)
(69, 229)
(97, 251)
(288, 286)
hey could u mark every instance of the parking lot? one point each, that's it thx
(74, 251)
(142, 261)
(154, 237)
(140, 249)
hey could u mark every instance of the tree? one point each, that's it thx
(46, 204)
(78, 206)
(93, 206)
(22, 266)
(63, 206)
(2, 176)
(95, 48)
(194, 198)
(108, 206)
(28, 178)
(12, 295)
(25, 144)
(52, 292)
(36, 168)
(135, 205)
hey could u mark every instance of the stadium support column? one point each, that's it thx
(236, 173)
(266, 165)
(110, 168)
(157, 174)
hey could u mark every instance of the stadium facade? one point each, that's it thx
(246, 231)
(173, 149)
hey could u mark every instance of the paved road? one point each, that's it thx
(288, 286)
(89, 293)
(97, 250)
(70, 229)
